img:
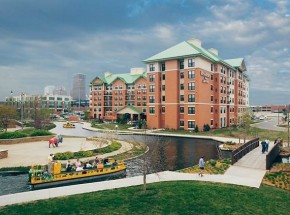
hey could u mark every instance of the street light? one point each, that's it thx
(21, 109)
(288, 123)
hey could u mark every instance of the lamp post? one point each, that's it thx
(21, 109)
(288, 122)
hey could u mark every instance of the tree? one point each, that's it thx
(155, 149)
(7, 114)
(245, 122)
(196, 129)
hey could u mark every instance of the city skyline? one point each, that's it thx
(49, 41)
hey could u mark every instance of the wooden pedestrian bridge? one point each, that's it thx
(250, 155)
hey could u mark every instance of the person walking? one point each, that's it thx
(263, 143)
(201, 166)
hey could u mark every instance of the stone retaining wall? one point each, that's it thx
(3, 154)
(25, 140)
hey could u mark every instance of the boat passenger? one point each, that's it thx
(106, 160)
(68, 167)
(115, 163)
(80, 168)
(78, 163)
(97, 160)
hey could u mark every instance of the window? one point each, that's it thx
(191, 86)
(151, 99)
(181, 123)
(163, 98)
(163, 109)
(211, 98)
(182, 98)
(151, 78)
(211, 122)
(163, 66)
(211, 87)
(163, 87)
(211, 67)
(152, 88)
(181, 109)
(151, 68)
(190, 62)
(211, 109)
(163, 76)
(191, 74)
(181, 64)
(181, 75)
(191, 124)
(191, 110)
(151, 109)
(191, 98)
(182, 86)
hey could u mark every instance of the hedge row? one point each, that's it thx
(19, 134)
(90, 153)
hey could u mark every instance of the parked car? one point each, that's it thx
(262, 117)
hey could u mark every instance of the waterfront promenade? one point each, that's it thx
(249, 171)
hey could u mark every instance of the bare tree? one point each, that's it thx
(7, 114)
(155, 159)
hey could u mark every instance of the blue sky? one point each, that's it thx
(46, 42)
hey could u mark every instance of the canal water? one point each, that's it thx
(166, 153)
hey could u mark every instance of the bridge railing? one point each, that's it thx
(244, 149)
(271, 156)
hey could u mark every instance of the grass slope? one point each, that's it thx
(166, 198)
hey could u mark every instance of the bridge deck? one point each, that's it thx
(254, 159)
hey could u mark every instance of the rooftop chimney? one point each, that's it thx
(214, 51)
(194, 42)
(137, 71)
(107, 74)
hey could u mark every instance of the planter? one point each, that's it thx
(3, 153)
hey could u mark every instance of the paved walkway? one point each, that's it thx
(245, 180)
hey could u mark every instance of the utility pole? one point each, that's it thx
(288, 123)
(21, 109)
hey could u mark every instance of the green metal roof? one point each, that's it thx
(127, 78)
(133, 108)
(237, 62)
(185, 49)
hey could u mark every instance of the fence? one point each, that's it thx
(271, 156)
(240, 152)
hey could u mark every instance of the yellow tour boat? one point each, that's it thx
(69, 125)
(40, 176)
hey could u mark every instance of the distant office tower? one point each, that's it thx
(79, 87)
(48, 90)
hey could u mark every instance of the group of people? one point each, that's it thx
(80, 166)
(265, 145)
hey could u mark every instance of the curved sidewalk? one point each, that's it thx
(120, 183)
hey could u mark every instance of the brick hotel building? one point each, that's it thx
(190, 86)
(117, 94)
(184, 86)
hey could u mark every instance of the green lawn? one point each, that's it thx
(166, 198)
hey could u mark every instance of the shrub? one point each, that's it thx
(212, 162)
(12, 135)
(40, 133)
(196, 129)
(64, 156)
(83, 154)
(113, 147)
(206, 127)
